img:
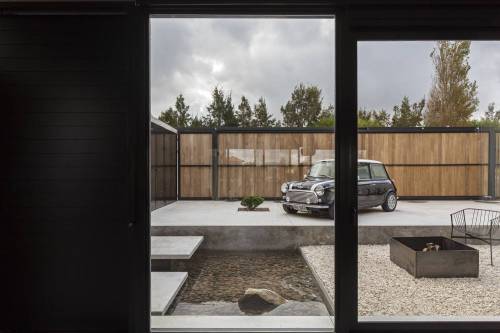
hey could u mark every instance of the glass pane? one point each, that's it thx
(429, 215)
(252, 101)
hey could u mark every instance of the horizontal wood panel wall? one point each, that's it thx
(195, 154)
(422, 164)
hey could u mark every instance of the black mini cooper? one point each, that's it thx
(317, 191)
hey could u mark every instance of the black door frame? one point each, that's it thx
(457, 20)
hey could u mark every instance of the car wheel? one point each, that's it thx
(390, 203)
(289, 209)
(331, 212)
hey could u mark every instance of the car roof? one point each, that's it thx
(359, 161)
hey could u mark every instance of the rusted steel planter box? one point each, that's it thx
(452, 260)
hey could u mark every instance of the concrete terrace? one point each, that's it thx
(224, 213)
(224, 228)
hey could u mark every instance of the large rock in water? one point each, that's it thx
(257, 301)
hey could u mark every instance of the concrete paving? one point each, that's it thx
(225, 213)
(164, 288)
(174, 247)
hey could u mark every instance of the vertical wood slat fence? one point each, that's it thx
(163, 160)
(497, 164)
(425, 163)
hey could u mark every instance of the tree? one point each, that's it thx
(244, 115)
(183, 116)
(196, 123)
(491, 113)
(373, 118)
(262, 117)
(491, 118)
(326, 117)
(382, 118)
(406, 115)
(179, 117)
(169, 117)
(220, 111)
(304, 107)
(453, 97)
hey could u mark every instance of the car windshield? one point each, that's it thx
(323, 169)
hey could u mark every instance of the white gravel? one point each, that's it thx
(387, 290)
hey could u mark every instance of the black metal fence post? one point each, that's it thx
(215, 165)
(492, 161)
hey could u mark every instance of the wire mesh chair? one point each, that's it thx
(478, 224)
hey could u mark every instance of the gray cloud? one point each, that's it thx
(268, 57)
(251, 57)
(387, 71)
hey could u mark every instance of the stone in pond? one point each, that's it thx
(258, 301)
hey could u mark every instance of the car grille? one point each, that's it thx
(302, 196)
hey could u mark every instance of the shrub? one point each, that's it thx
(252, 202)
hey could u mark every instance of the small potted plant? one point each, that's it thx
(251, 203)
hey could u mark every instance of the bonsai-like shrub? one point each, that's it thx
(252, 202)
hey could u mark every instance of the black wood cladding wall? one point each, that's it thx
(65, 129)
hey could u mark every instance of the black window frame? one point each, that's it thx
(359, 20)
(447, 20)
(355, 20)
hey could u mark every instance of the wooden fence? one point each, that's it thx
(424, 163)
(163, 159)
(497, 165)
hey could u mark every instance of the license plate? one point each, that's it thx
(299, 207)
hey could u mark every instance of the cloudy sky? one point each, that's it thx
(268, 57)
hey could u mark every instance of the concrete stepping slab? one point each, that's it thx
(164, 288)
(174, 247)
(242, 324)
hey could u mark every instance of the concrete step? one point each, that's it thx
(174, 247)
(164, 288)
(242, 324)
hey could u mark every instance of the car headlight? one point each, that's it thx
(319, 190)
(284, 188)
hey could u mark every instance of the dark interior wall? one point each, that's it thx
(66, 131)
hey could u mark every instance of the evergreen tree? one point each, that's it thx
(491, 118)
(244, 115)
(196, 123)
(406, 115)
(262, 117)
(304, 107)
(220, 111)
(373, 118)
(326, 117)
(453, 97)
(382, 118)
(229, 117)
(169, 117)
(182, 110)
(491, 113)
(178, 117)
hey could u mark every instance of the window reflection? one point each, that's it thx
(277, 157)
(240, 157)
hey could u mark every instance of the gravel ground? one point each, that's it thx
(385, 289)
